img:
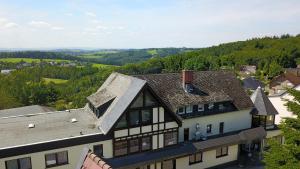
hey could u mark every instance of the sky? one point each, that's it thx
(142, 23)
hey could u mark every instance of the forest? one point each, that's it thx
(31, 85)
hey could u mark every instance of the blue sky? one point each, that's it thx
(142, 23)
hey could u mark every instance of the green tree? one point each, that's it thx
(286, 156)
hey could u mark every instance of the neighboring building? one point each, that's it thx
(289, 79)
(7, 71)
(279, 100)
(161, 121)
(251, 83)
(265, 114)
(248, 69)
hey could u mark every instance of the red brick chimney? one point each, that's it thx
(187, 77)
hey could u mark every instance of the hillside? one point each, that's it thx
(125, 56)
(67, 87)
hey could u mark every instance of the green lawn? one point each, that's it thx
(56, 81)
(29, 60)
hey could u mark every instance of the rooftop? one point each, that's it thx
(25, 110)
(217, 86)
(262, 103)
(47, 126)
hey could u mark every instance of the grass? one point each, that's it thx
(29, 60)
(98, 65)
(56, 81)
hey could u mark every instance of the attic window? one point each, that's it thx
(31, 125)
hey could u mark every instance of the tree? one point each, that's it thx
(287, 155)
(274, 69)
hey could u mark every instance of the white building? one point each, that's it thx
(191, 120)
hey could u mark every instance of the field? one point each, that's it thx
(56, 81)
(98, 65)
(29, 60)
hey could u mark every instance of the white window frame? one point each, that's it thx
(200, 107)
(179, 111)
(186, 109)
(211, 106)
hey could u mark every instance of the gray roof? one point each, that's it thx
(140, 159)
(262, 103)
(244, 136)
(217, 86)
(101, 97)
(124, 88)
(252, 83)
(25, 110)
(48, 126)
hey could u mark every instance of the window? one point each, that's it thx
(169, 164)
(123, 122)
(144, 167)
(195, 158)
(55, 159)
(210, 106)
(221, 128)
(146, 143)
(22, 163)
(120, 148)
(221, 107)
(134, 145)
(270, 120)
(98, 150)
(221, 151)
(138, 102)
(180, 110)
(200, 107)
(146, 116)
(189, 109)
(149, 99)
(208, 128)
(170, 138)
(186, 134)
(134, 118)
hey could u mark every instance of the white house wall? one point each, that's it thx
(232, 121)
(74, 153)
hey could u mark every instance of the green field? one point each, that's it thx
(30, 60)
(98, 65)
(56, 81)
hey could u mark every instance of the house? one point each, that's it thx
(265, 114)
(248, 69)
(289, 79)
(26, 110)
(6, 71)
(279, 100)
(182, 120)
(251, 83)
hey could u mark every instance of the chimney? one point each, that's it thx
(187, 77)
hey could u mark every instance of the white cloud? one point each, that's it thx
(5, 23)
(57, 28)
(91, 14)
(39, 24)
(11, 25)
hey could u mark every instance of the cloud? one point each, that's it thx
(43, 24)
(57, 28)
(39, 24)
(91, 14)
(5, 23)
